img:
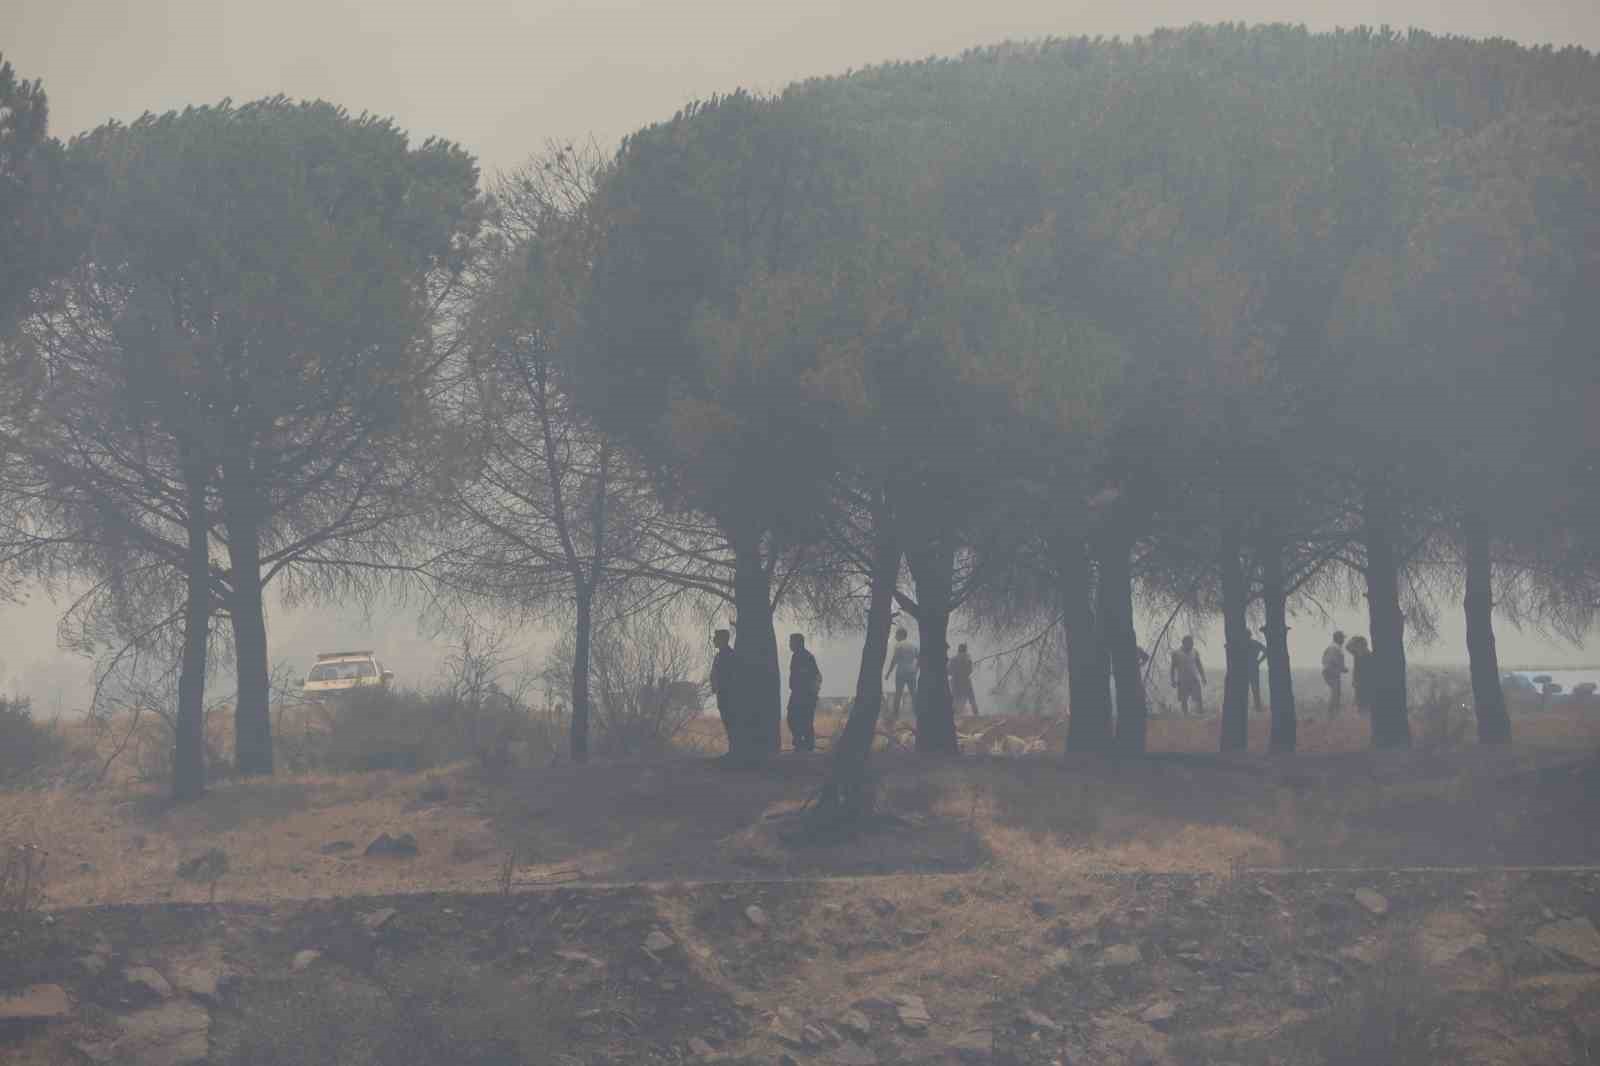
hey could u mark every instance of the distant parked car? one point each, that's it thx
(1518, 684)
(338, 672)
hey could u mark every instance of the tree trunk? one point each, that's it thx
(252, 722)
(189, 766)
(1116, 617)
(933, 570)
(1088, 683)
(580, 675)
(1494, 724)
(1275, 607)
(1390, 726)
(1239, 656)
(846, 796)
(759, 691)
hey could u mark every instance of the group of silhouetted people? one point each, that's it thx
(1188, 673)
(905, 663)
(1334, 669)
(805, 686)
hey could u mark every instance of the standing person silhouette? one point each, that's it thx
(903, 664)
(1333, 671)
(724, 668)
(961, 690)
(1188, 677)
(1258, 655)
(805, 684)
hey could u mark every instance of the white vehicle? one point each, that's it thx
(341, 671)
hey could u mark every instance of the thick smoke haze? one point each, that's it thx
(504, 76)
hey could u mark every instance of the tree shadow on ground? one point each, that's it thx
(230, 805)
(691, 819)
(1472, 806)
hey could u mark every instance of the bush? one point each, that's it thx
(1392, 1016)
(26, 747)
(22, 881)
(1444, 713)
(154, 746)
(382, 729)
(397, 729)
(642, 698)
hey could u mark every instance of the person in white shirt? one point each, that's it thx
(1188, 677)
(1333, 671)
(903, 664)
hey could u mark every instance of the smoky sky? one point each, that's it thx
(502, 76)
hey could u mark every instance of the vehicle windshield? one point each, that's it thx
(342, 671)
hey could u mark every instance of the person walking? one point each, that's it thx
(723, 686)
(961, 690)
(903, 664)
(805, 684)
(1333, 671)
(1188, 677)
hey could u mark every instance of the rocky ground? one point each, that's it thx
(1470, 967)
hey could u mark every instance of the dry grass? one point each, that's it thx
(1033, 818)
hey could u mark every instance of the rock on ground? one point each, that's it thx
(1159, 1015)
(1372, 902)
(788, 1026)
(1037, 1020)
(35, 1003)
(150, 979)
(303, 959)
(202, 976)
(378, 918)
(1447, 937)
(1575, 939)
(974, 1046)
(1119, 956)
(385, 846)
(912, 1012)
(173, 1034)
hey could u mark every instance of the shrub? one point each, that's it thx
(22, 880)
(1443, 715)
(153, 745)
(1393, 1015)
(642, 698)
(398, 729)
(382, 729)
(26, 747)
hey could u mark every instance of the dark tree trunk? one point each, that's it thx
(1239, 655)
(1088, 682)
(1390, 726)
(1275, 607)
(252, 721)
(759, 690)
(847, 796)
(1494, 724)
(580, 675)
(189, 766)
(933, 569)
(1116, 618)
